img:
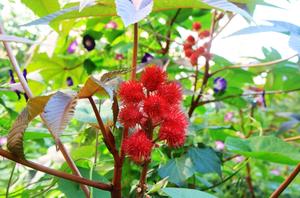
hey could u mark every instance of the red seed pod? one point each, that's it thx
(200, 50)
(171, 92)
(188, 52)
(155, 107)
(197, 26)
(204, 34)
(190, 39)
(194, 58)
(187, 46)
(138, 147)
(130, 115)
(173, 128)
(153, 77)
(131, 92)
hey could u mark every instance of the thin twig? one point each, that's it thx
(206, 68)
(28, 92)
(9, 181)
(222, 182)
(75, 178)
(286, 182)
(270, 63)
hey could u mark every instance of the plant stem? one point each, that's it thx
(135, 50)
(27, 90)
(9, 180)
(286, 182)
(165, 50)
(74, 178)
(142, 187)
(143, 179)
(109, 141)
(117, 179)
(249, 180)
(270, 63)
(206, 69)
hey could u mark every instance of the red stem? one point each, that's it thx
(75, 178)
(286, 182)
(249, 180)
(135, 50)
(142, 187)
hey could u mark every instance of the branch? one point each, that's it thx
(142, 186)
(108, 141)
(286, 182)
(135, 50)
(74, 178)
(253, 65)
(206, 68)
(249, 180)
(168, 41)
(143, 183)
(27, 90)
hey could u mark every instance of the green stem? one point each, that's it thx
(9, 181)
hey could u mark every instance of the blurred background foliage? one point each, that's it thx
(217, 129)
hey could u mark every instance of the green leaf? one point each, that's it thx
(205, 160)
(42, 7)
(268, 148)
(89, 66)
(177, 170)
(186, 193)
(107, 8)
(111, 35)
(71, 189)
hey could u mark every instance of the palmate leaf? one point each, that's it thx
(133, 11)
(294, 42)
(228, 6)
(59, 111)
(268, 148)
(35, 106)
(106, 8)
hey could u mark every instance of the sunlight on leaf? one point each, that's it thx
(59, 111)
(228, 6)
(133, 12)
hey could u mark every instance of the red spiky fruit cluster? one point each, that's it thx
(152, 102)
(191, 48)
